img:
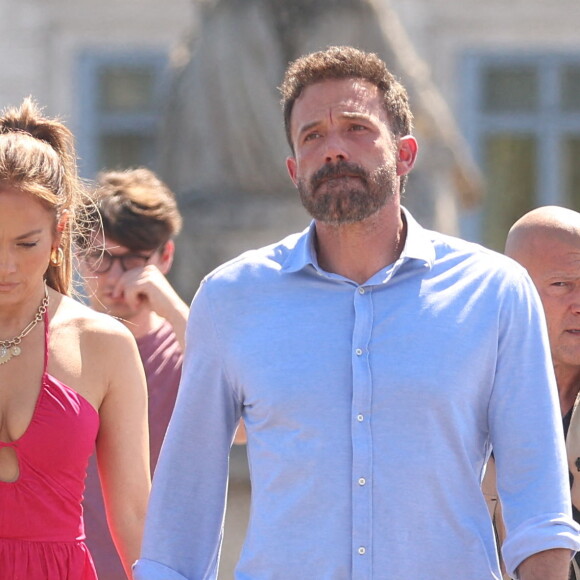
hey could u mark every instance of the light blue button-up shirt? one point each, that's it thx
(371, 411)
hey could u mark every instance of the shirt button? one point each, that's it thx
(362, 481)
(360, 418)
(362, 550)
(358, 351)
(361, 290)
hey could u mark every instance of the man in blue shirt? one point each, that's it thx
(375, 364)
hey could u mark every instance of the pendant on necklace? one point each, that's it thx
(6, 354)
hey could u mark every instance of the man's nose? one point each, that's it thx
(575, 299)
(575, 307)
(336, 149)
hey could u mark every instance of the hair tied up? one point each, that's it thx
(29, 119)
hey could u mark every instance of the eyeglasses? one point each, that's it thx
(102, 262)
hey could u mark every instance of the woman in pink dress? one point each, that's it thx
(70, 378)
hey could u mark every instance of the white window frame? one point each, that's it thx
(548, 123)
(94, 123)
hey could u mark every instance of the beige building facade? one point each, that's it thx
(99, 65)
(509, 72)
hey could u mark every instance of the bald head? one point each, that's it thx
(543, 229)
(546, 241)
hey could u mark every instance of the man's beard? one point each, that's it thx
(344, 193)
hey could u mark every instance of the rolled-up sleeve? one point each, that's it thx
(527, 434)
(148, 570)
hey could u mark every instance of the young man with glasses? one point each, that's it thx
(129, 253)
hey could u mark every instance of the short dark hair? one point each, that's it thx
(345, 62)
(136, 209)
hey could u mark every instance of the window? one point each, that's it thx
(522, 117)
(120, 110)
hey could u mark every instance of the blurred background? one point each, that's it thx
(189, 89)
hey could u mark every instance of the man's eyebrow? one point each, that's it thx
(307, 127)
(345, 115)
(561, 275)
(361, 116)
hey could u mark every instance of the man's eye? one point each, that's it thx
(27, 244)
(312, 136)
(357, 128)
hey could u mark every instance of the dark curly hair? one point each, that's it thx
(345, 62)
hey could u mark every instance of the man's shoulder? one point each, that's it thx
(450, 250)
(256, 263)
(466, 258)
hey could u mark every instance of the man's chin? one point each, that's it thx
(343, 216)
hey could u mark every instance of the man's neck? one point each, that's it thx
(568, 380)
(358, 251)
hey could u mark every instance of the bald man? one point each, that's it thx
(546, 241)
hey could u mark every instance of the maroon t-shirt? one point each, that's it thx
(162, 360)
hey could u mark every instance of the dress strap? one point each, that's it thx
(46, 324)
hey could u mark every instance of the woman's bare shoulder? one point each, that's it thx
(91, 351)
(86, 323)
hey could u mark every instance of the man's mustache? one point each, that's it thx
(340, 169)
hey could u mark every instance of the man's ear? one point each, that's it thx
(167, 254)
(406, 154)
(291, 167)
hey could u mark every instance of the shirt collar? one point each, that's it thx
(418, 246)
(304, 253)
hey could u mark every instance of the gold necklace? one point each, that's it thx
(11, 348)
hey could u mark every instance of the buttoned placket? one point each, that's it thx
(361, 435)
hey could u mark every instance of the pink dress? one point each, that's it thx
(41, 519)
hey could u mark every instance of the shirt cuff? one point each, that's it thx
(149, 570)
(537, 535)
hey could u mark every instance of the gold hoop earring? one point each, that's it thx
(57, 257)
